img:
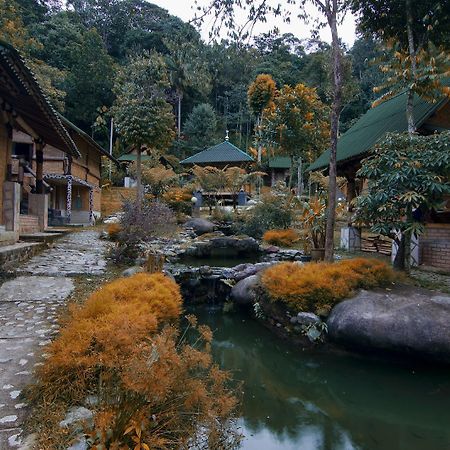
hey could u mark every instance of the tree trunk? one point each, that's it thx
(412, 55)
(139, 193)
(291, 173)
(259, 122)
(180, 97)
(399, 260)
(299, 178)
(332, 9)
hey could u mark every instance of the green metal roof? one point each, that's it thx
(389, 116)
(280, 162)
(220, 153)
(127, 157)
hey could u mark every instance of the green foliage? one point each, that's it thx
(143, 116)
(297, 124)
(90, 81)
(200, 127)
(274, 212)
(407, 177)
(386, 19)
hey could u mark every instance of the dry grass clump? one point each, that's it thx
(313, 286)
(155, 389)
(283, 238)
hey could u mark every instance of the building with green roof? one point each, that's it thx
(389, 116)
(432, 248)
(220, 155)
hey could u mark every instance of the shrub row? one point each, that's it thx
(314, 286)
(154, 389)
(284, 238)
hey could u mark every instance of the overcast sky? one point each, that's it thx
(183, 9)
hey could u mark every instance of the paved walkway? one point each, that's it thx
(29, 307)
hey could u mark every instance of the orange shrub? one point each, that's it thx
(312, 286)
(123, 346)
(113, 230)
(284, 238)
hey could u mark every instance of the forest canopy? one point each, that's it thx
(78, 51)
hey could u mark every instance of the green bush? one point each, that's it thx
(274, 212)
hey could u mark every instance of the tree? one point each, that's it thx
(13, 31)
(89, 84)
(297, 124)
(187, 70)
(158, 179)
(260, 97)
(200, 127)
(332, 11)
(281, 56)
(411, 28)
(407, 178)
(142, 114)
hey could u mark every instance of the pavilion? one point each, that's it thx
(220, 156)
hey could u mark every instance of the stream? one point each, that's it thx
(323, 401)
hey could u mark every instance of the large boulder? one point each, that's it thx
(407, 321)
(243, 292)
(200, 226)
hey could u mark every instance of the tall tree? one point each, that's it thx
(187, 70)
(297, 123)
(412, 28)
(261, 94)
(142, 115)
(90, 81)
(200, 127)
(332, 12)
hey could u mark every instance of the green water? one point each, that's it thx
(310, 401)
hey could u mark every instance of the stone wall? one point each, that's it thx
(435, 246)
(113, 197)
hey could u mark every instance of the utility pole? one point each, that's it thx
(111, 147)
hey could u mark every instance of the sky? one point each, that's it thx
(183, 9)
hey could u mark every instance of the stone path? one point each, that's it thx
(29, 307)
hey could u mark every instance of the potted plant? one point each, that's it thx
(313, 219)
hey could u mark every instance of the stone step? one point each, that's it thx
(28, 224)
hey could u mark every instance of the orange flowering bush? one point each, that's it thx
(315, 285)
(113, 231)
(178, 199)
(284, 238)
(154, 387)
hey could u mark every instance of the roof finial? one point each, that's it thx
(227, 138)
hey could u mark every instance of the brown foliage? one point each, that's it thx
(154, 389)
(313, 286)
(113, 231)
(285, 238)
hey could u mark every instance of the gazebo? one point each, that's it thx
(220, 155)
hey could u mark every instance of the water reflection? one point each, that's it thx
(299, 400)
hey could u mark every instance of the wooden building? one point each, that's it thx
(354, 145)
(50, 170)
(25, 109)
(73, 184)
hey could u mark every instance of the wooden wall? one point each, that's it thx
(4, 157)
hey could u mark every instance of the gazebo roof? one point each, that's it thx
(389, 116)
(222, 153)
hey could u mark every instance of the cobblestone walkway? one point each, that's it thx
(28, 312)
